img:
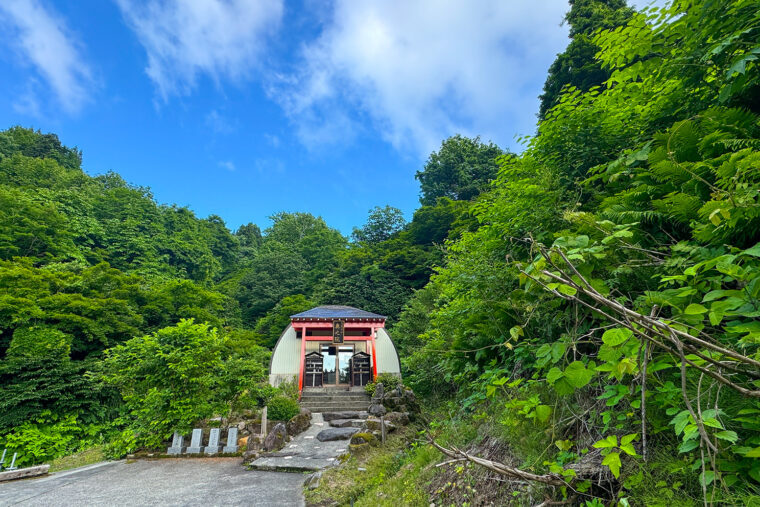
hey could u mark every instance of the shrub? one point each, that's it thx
(281, 408)
(47, 437)
(389, 381)
(176, 376)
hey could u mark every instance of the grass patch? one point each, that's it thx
(79, 459)
(382, 467)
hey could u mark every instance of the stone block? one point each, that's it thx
(331, 434)
(330, 416)
(397, 418)
(376, 409)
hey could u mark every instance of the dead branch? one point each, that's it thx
(650, 328)
(500, 468)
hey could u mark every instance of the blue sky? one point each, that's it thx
(243, 108)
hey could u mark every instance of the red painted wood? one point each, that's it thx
(328, 324)
(330, 338)
(374, 354)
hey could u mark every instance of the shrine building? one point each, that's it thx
(333, 346)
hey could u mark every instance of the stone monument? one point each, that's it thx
(232, 436)
(196, 442)
(213, 446)
(178, 444)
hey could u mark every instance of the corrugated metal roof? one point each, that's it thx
(336, 312)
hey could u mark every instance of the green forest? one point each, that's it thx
(591, 303)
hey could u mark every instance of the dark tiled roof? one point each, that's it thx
(336, 312)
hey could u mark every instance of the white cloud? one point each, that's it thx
(219, 123)
(421, 71)
(186, 38)
(44, 40)
(227, 164)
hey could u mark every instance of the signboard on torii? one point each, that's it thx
(339, 327)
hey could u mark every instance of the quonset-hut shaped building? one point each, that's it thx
(333, 346)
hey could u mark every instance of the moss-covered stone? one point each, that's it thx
(364, 438)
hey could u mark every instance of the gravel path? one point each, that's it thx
(193, 481)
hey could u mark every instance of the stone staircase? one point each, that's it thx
(334, 399)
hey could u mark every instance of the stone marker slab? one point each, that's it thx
(336, 434)
(232, 438)
(213, 446)
(178, 444)
(196, 442)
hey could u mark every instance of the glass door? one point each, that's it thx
(337, 363)
(329, 352)
(344, 363)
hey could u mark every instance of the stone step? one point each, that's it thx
(335, 407)
(310, 390)
(334, 393)
(336, 398)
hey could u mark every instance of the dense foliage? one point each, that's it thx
(610, 293)
(122, 320)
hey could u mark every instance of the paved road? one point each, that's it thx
(194, 481)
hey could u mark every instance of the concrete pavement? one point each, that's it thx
(193, 481)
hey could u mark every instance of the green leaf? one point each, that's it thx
(515, 332)
(689, 445)
(607, 443)
(731, 436)
(754, 453)
(563, 387)
(616, 336)
(753, 251)
(543, 412)
(567, 290)
(695, 309)
(706, 478)
(577, 374)
(612, 460)
(627, 439)
(554, 375)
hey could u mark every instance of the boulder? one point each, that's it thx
(276, 438)
(376, 409)
(398, 418)
(254, 443)
(364, 438)
(299, 422)
(357, 449)
(251, 455)
(331, 416)
(345, 423)
(336, 434)
(373, 424)
(313, 481)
